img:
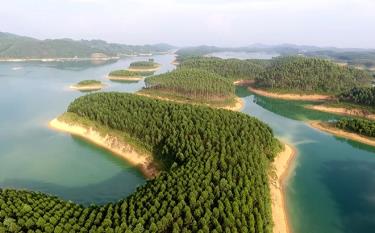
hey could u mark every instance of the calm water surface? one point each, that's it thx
(331, 189)
(32, 156)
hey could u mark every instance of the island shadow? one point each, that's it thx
(111, 190)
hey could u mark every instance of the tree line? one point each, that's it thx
(233, 69)
(127, 73)
(361, 126)
(192, 83)
(312, 75)
(215, 177)
(149, 63)
(359, 95)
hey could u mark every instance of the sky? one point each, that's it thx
(339, 23)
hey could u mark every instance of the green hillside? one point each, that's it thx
(192, 83)
(233, 69)
(310, 75)
(14, 46)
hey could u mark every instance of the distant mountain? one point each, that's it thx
(362, 58)
(15, 46)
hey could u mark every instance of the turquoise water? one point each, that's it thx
(332, 186)
(32, 156)
(331, 189)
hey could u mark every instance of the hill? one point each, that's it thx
(20, 47)
(298, 74)
(233, 69)
(192, 83)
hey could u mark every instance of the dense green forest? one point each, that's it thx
(88, 82)
(215, 177)
(127, 73)
(14, 46)
(192, 83)
(361, 126)
(233, 69)
(357, 95)
(311, 75)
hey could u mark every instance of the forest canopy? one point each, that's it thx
(312, 75)
(359, 95)
(89, 82)
(215, 178)
(361, 126)
(127, 73)
(233, 69)
(144, 64)
(192, 83)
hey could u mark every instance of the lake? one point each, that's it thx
(331, 188)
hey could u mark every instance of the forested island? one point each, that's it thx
(126, 75)
(88, 85)
(192, 86)
(144, 66)
(202, 150)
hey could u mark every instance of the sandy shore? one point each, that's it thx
(175, 62)
(238, 106)
(87, 87)
(343, 111)
(240, 103)
(313, 97)
(110, 142)
(125, 78)
(243, 82)
(144, 69)
(281, 169)
(326, 127)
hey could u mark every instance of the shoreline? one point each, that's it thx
(342, 111)
(124, 78)
(144, 162)
(313, 97)
(144, 69)
(325, 127)
(59, 59)
(243, 82)
(281, 166)
(238, 106)
(87, 87)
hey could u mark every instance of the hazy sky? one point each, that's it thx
(341, 23)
